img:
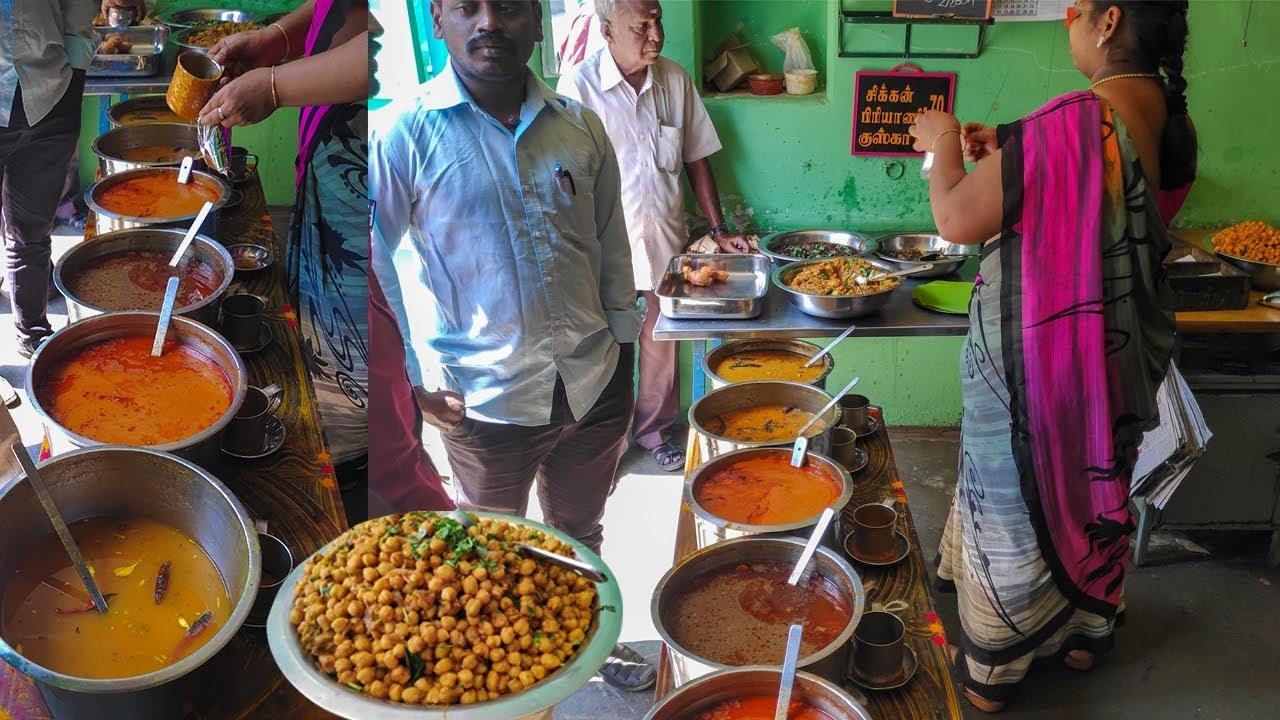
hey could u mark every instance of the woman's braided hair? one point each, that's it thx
(1157, 39)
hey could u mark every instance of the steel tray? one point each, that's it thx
(146, 58)
(738, 298)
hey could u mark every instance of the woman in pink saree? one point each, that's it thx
(1070, 336)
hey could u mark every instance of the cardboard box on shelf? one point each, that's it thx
(731, 68)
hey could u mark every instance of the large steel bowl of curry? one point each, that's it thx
(538, 702)
(757, 492)
(124, 483)
(755, 682)
(766, 359)
(127, 270)
(729, 605)
(761, 413)
(146, 145)
(142, 110)
(96, 382)
(153, 197)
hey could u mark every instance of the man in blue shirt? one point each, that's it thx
(519, 308)
(43, 58)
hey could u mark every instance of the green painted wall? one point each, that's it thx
(274, 140)
(786, 161)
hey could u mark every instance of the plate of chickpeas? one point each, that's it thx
(415, 615)
(1253, 247)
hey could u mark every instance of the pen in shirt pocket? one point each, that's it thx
(565, 180)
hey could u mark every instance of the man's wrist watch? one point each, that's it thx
(721, 228)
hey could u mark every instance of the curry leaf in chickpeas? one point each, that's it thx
(418, 609)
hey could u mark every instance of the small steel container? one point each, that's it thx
(733, 347)
(836, 307)
(774, 246)
(165, 240)
(108, 221)
(201, 447)
(829, 662)
(808, 398)
(896, 248)
(739, 297)
(110, 146)
(710, 529)
(112, 480)
(144, 60)
(701, 695)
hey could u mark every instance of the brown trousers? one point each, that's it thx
(658, 395)
(575, 462)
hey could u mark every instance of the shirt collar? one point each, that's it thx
(611, 74)
(446, 91)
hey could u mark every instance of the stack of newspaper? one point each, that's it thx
(1169, 451)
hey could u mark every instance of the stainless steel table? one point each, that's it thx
(106, 87)
(783, 320)
(900, 317)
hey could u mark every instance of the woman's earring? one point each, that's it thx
(1101, 40)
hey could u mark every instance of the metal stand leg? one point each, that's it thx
(1273, 555)
(1146, 522)
(700, 350)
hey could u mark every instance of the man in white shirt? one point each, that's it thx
(657, 124)
(43, 57)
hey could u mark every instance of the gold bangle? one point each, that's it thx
(274, 98)
(288, 48)
(936, 138)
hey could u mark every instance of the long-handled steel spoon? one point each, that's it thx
(801, 448)
(789, 663)
(827, 349)
(812, 546)
(59, 525)
(863, 280)
(166, 314)
(584, 569)
(191, 233)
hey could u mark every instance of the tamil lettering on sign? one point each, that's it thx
(886, 103)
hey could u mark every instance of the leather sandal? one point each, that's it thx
(668, 456)
(628, 670)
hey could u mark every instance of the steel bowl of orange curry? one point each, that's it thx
(756, 491)
(98, 383)
(148, 197)
(751, 692)
(761, 413)
(174, 554)
(764, 359)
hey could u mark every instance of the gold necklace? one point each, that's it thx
(1124, 75)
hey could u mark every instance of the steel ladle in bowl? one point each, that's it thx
(863, 279)
(565, 563)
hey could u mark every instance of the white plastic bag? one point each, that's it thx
(790, 42)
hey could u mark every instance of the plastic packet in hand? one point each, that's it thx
(215, 146)
(797, 53)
